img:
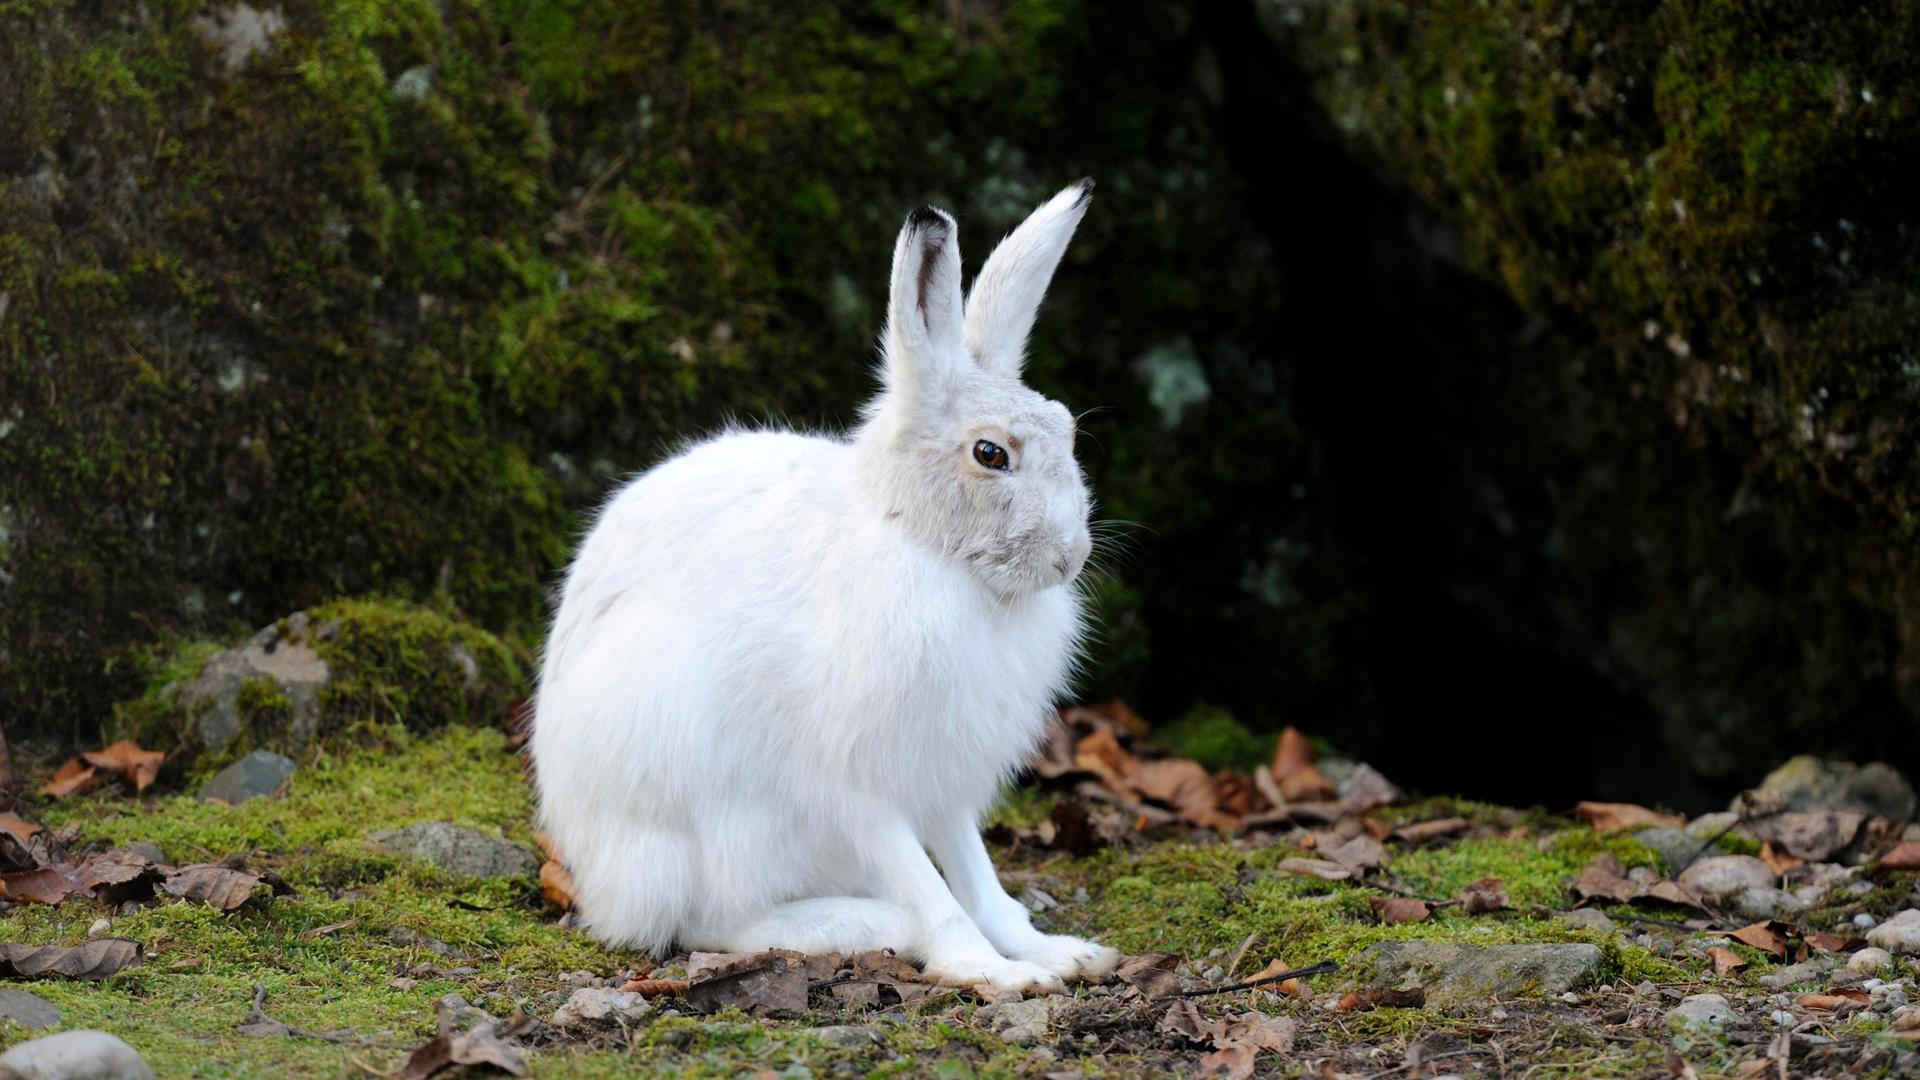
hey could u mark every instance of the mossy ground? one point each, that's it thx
(327, 957)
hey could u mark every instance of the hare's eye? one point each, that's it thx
(990, 455)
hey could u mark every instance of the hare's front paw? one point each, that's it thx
(994, 972)
(1068, 957)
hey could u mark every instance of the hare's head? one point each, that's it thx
(958, 449)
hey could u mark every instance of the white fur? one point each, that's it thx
(786, 668)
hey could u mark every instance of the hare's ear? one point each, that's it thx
(1006, 296)
(924, 307)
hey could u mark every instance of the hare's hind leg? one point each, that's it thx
(822, 924)
(633, 887)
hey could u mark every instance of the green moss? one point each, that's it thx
(1212, 737)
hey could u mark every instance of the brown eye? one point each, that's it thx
(990, 455)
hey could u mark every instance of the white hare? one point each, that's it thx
(786, 668)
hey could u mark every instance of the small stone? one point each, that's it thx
(459, 850)
(74, 1055)
(259, 774)
(1701, 1014)
(1589, 919)
(1710, 825)
(1021, 1023)
(600, 1005)
(462, 1016)
(1900, 934)
(28, 1010)
(148, 851)
(1807, 971)
(1646, 988)
(1895, 998)
(849, 1035)
(1870, 960)
(1675, 846)
(1782, 1017)
(1459, 971)
(99, 928)
(1767, 902)
(1865, 921)
(401, 982)
(1723, 876)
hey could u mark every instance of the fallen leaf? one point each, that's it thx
(874, 979)
(1361, 852)
(1609, 817)
(92, 961)
(1295, 774)
(118, 876)
(556, 884)
(652, 988)
(1184, 785)
(1383, 998)
(1725, 960)
(771, 984)
(1320, 868)
(1365, 789)
(70, 779)
(1183, 1018)
(1834, 943)
(1480, 897)
(1101, 754)
(1293, 987)
(1255, 1030)
(1235, 1062)
(1604, 878)
(1073, 830)
(1151, 974)
(480, 1046)
(1835, 998)
(1769, 936)
(47, 885)
(1393, 910)
(215, 886)
(1423, 831)
(126, 760)
(21, 830)
(1907, 1024)
(1904, 856)
(1778, 861)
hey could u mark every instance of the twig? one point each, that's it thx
(1239, 954)
(1324, 967)
(1668, 923)
(1436, 1057)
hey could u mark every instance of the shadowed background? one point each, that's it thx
(1521, 396)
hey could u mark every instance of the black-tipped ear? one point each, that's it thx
(924, 309)
(1006, 296)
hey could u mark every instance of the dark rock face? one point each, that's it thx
(458, 850)
(1453, 971)
(255, 776)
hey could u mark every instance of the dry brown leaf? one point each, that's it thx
(1364, 789)
(1778, 861)
(1320, 868)
(217, 887)
(480, 1046)
(1184, 785)
(1769, 936)
(771, 984)
(126, 760)
(652, 988)
(1361, 852)
(874, 979)
(1383, 998)
(21, 830)
(1835, 998)
(1183, 1018)
(1609, 817)
(118, 876)
(1295, 774)
(1101, 754)
(1234, 1062)
(1237, 794)
(1904, 856)
(70, 779)
(92, 961)
(1376, 828)
(1422, 831)
(1725, 960)
(1487, 894)
(1907, 1024)
(1393, 910)
(1293, 987)
(1151, 974)
(47, 885)
(556, 884)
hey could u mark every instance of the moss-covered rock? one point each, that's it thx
(344, 665)
(1693, 443)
